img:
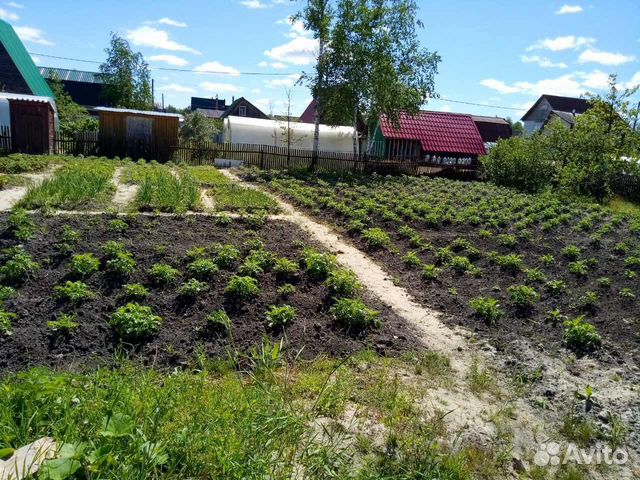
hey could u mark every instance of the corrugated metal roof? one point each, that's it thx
(23, 61)
(70, 75)
(137, 112)
(438, 132)
(28, 98)
(210, 113)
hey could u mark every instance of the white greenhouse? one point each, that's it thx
(244, 130)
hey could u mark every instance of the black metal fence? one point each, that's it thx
(5, 138)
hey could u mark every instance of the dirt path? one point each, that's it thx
(125, 193)
(11, 196)
(207, 201)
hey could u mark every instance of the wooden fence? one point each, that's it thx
(627, 186)
(83, 143)
(5, 138)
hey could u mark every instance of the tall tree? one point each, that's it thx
(73, 118)
(126, 77)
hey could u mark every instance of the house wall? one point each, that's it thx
(251, 111)
(536, 119)
(32, 127)
(11, 79)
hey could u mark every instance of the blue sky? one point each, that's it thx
(497, 53)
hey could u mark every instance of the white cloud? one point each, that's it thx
(299, 51)
(8, 16)
(172, 23)
(278, 65)
(263, 64)
(217, 68)
(565, 9)
(596, 79)
(32, 35)
(604, 58)
(499, 86)
(634, 82)
(254, 4)
(256, 91)
(561, 43)
(296, 27)
(174, 87)
(219, 87)
(288, 81)
(14, 5)
(169, 59)
(35, 59)
(542, 61)
(445, 108)
(151, 37)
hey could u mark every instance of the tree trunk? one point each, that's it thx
(355, 132)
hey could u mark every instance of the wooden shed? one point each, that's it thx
(31, 120)
(137, 133)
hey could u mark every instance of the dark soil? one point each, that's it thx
(184, 331)
(617, 319)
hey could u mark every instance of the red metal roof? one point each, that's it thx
(438, 132)
(309, 115)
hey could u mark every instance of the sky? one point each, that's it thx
(500, 55)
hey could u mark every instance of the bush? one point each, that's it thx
(523, 297)
(487, 308)
(202, 269)
(73, 292)
(286, 290)
(19, 265)
(284, 267)
(430, 272)
(580, 335)
(571, 252)
(122, 265)
(510, 263)
(579, 268)
(112, 248)
(21, 225)
(163, 274)
(195, 253)
(263, 258)
(219, 319)
(280, 316)
(193, 288)
(135, 291)
(242, 288)
(343, 283)
(84, 265)
(135, 321)
(226, 256)
(6, 322)
(411, 258)
(376, 238)
(352, 313)
(6, 293)
(64, 323)
(251, 268)
(555, 287)
(318, 265)
(117, 225)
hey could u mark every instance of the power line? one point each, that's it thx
(444, 99)
(168, 69)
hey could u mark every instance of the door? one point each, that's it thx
(139, 137)
(29, 128)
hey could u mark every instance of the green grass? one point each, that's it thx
(23, 163)
(161, 190)
(274, 420)
(135, 173)
(80, 185)
(234, 197)
(208, 176)
(624, 206)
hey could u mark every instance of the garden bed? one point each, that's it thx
(543, 261)
(185, 330)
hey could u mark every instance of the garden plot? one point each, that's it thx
(78, 288)
(503, 264)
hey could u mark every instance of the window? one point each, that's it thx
(242, 111)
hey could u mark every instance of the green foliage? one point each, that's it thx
(163, 274)
(581, 335)
(111, 248)
(198, 129)
(18, 266)
(411, 258)
(280, 316)
(121, 265)
(135, 321)
(21, 225)
(555, 287)
(579, 268)
(6, 293)
(233, 197)
(6, 322)
(354, 314)
(202, 269)
(286, 290)
(64, 323)
(73, 292)
(343, 283)
(510, 263)
(523, 296)
(23, 163)
(117, 225)
(242, 288)
(283, 267)
(193, 288)
(219, 319)
(162, 191)
(535, 275)
(547, 259)
(318, 265)
(84, 265)
(376, 238)
(430, 272)
(135, 291)
(487, 308)
(73, 118)
(571, 252)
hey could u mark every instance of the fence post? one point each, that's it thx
(261, 157)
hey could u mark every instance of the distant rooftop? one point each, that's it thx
(70, 75)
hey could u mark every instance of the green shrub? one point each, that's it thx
(535, 275)
(507, 240)
(284, 267)
(202, 269)
(84, 265)
(352, 313)
(6, 322)
(343, 283)
(280, 316)
(411, 258)
(64, 323)
(263, 258)
(318, 265)
(376, 238)
(163, 274)
(286, 290)
(580, 335)
(589, 301)
(487, 309)
(579, 268)
(135, 291)
(69, 235)
(112, 248)
(251, 268)
(6, 293)
(193, 288)
(510, 263)
(555, 287)
(461, 264)
(117, 225)
(219, 319)
(523, 297)
(633, 262)
(73, 292)
(242, 288)
(195, 253)
(547, 259)
(572, 252)
(21, 225)
(18, 266)
(430, 272)
(226, 256)
(626, 293)
(135, 321)
(122, 265)
(604, 282)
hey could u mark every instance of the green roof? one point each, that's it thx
(23, 61)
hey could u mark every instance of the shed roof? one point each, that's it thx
(492, 128)
(23, 61)
(67, 75)
(29, 98)
(438, 132)
(138, 112)
(210, 113)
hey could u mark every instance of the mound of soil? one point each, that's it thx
(184, 330)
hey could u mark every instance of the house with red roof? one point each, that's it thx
(439, 138)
